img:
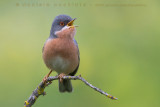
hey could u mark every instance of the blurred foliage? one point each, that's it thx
(119, 50)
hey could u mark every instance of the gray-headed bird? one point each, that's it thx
(61, 52)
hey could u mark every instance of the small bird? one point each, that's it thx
(61, 52)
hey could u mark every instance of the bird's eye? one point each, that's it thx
(62, 23)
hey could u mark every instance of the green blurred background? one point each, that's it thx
(119, 43)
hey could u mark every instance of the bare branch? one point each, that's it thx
(40, 89)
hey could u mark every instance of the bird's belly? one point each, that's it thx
(60, 56)
(59, 64)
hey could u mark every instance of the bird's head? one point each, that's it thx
(63, 27)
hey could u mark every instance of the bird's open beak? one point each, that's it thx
(71, 22)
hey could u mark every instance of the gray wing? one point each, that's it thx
(75, 71)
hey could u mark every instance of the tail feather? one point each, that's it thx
(65, 86)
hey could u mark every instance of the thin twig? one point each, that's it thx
(40, 89)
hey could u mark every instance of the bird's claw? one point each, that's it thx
(46, 77)
(60, 76)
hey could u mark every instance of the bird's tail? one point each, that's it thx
(65, 86)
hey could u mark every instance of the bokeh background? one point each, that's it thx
(119, 43)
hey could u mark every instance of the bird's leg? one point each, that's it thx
(45, 78)
(60, 76)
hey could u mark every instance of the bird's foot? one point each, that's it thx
(60, 76)
(46, 77)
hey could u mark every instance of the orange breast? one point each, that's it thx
(63, 48)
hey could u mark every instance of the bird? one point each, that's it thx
(61, 52)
